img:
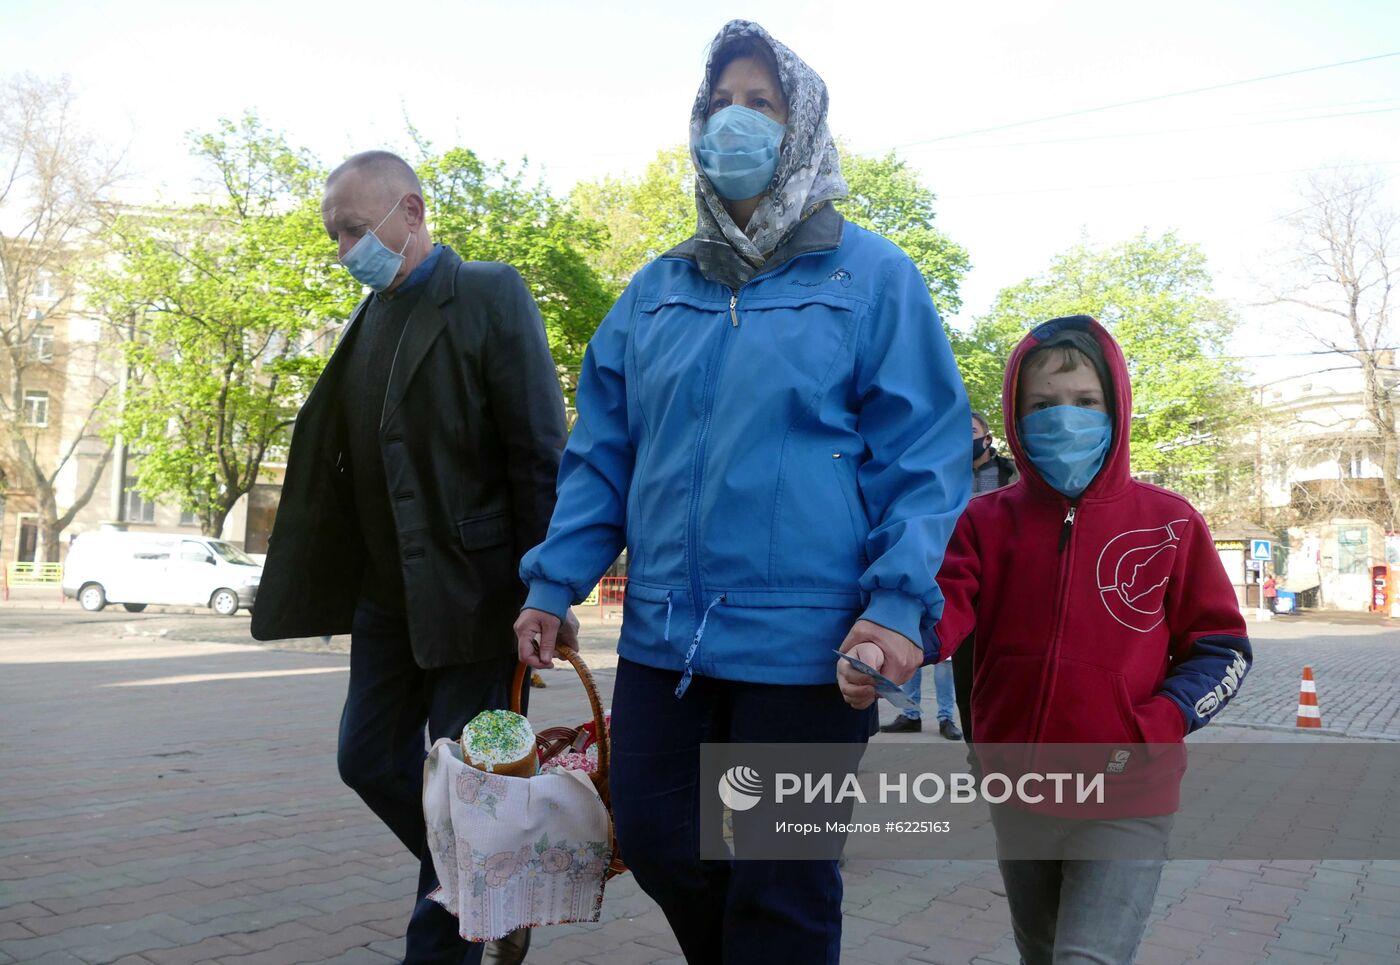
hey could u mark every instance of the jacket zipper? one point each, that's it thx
(696, 474)
(1067, 526)
(1061, 594)
(701, 450)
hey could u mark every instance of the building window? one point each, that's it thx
(36, 408)
(1353, 551)
(188, 518)
(41, 343)
(139, 509)
(1358, 466)
(43, 286)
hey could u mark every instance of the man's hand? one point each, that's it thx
(891, 653)
(536, 633)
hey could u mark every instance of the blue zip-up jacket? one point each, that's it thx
(780, 460)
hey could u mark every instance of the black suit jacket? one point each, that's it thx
(471, 435)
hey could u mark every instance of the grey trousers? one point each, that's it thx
(1068, 911)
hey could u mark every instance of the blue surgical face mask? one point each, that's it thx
(1067, 445)
(370, 262)
(739, 152)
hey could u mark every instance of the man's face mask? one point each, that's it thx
(739, 152)
(370, 262)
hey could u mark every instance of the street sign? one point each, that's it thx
(1261, 549)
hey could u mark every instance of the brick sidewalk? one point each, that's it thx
(166, 802)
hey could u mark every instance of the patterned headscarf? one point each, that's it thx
(808, 175)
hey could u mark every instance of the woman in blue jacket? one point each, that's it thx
(771, 421)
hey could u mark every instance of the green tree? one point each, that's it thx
(887, 198)
(233, 305)
(1156, 296)
(54, 185)
(644, 217)
(487, 212)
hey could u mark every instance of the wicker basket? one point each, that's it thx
(553, 741)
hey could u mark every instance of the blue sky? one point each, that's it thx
(591, 88)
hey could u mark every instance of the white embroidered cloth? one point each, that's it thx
(513, 852)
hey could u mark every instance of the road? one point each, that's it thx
(1356, 663)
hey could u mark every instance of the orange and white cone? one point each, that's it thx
(1309, 714)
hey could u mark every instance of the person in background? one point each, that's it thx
(911, 722)
(990, 469)
(771, 420)
(421, 468)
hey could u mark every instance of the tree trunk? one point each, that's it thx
(211, 523)
(46, 548)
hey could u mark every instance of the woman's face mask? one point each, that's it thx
(739, 152)
(744, 135)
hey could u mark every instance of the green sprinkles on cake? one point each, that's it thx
(496, 737)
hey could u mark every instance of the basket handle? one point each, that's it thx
(594, 701)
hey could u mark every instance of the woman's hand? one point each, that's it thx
(891, 653)
(857, 688)
(537, 633)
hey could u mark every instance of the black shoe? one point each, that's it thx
(903, 725)
(949, 730)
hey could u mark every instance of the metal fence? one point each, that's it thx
(31, 574)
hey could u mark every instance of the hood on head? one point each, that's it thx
(1115, 472)
(808, 173)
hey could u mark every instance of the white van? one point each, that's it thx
(137, 569)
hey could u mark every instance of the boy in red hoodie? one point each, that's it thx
(1102, 615)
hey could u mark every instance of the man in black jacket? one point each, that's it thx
(422, 468)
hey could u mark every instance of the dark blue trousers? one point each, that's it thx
(727, 912)
(390, 701)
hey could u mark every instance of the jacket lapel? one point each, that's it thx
(425, 324)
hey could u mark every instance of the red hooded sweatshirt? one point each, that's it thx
(1104, 619)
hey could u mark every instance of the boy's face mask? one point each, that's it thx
(1067, 445)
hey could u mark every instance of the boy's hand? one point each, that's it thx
(891, 653)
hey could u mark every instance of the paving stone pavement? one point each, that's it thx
(166, 801)
(1356, 667)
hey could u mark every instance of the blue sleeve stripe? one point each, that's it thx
(1210, 675)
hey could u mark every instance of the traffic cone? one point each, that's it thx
(1309, 714)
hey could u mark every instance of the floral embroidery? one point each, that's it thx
(500, 867)
(555, 860)
(481, 789)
